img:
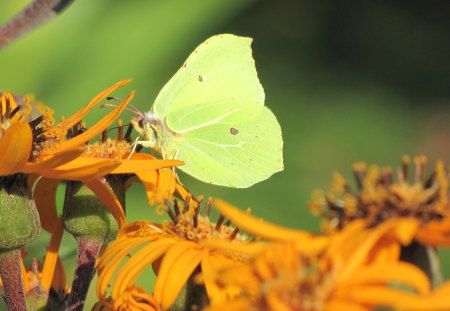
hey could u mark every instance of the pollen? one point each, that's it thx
(187, 222)
(118, 148)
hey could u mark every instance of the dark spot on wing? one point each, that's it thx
(200, 78)
(234, 131)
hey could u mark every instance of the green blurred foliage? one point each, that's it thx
(348, 81)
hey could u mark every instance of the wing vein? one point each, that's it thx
(217, 120)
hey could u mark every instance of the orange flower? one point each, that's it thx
(95, 160)
(422, 206)
(134, 299)
(348, 273)
(33, 144)
(174, 248)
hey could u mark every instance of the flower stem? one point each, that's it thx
(193, 296)
(88, 250)
(427, 259)
(11, 275)
(34, 15)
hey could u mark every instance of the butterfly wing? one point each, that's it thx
(221, 68)
(232, 143)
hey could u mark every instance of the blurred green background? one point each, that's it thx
(349, 81)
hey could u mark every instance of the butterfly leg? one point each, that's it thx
(134, 145)
(173, 168)
(139, 142)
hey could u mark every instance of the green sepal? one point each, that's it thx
(19, 218)
(86, 216)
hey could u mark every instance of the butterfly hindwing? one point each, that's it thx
(234, 144)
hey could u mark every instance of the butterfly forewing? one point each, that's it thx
(220, 68)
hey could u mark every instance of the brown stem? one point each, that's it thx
(11, 275)
(88, 250)
(34, 15)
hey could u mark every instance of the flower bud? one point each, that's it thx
(86, 216)
(19, 219)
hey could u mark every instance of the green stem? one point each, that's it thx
(426, 258)
(11, 275)
(193, 296)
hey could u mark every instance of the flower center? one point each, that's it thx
(380, 198)
(188, 224)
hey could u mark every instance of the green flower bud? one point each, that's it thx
(19, 219)
(86, 216)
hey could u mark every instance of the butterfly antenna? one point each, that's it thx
(133, 109)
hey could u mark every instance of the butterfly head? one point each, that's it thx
(148, 126)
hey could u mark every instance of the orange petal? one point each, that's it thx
(385, 250)
(55, 161)
(108, 199)
(98, 127)
(82, 169)
(210, 264)
(359, 245)
(16, 145)
(241, 304)
(390, 273)
(257, 226)
(45, 198)
(76, 117)
(139, 262)
(111, 260)
(435, 233)
(51, 261)
(405, 229)
(176, 267)
(158, 185)
(135, 166)
(275, 302)
(380, 296)
(340, 305)
(247, 249)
